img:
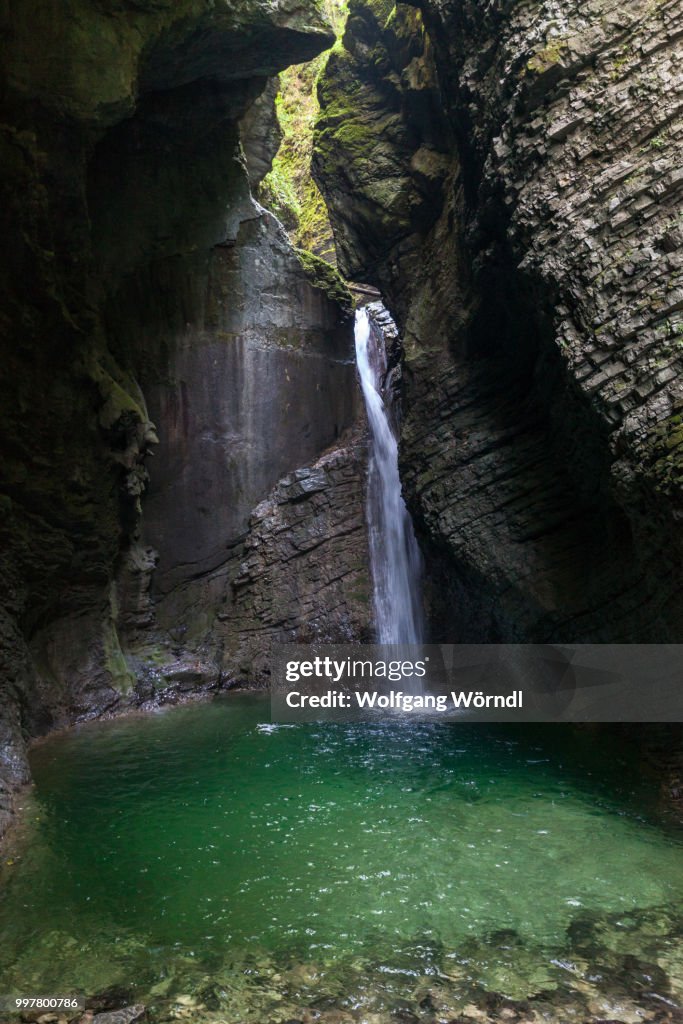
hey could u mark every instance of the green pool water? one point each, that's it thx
(163, 852)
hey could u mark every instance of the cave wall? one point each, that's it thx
(150, 307)
(509, 175)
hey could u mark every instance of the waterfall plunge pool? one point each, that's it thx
(206, 862)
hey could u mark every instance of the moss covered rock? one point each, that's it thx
(365, 155)
(327, 278)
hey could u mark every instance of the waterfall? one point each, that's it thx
(395, 560)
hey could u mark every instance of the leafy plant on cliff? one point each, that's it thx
(289, 190)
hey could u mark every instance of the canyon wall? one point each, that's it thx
(509, 175)
(151, 308)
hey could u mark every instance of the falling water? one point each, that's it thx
(394, 555)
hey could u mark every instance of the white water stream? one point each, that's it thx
(395, 559)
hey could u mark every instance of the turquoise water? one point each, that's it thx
(164, 851)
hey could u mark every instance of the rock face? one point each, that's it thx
(147, 303)
(303, 570)
(261, 385)
(509, 175)
(255, 389)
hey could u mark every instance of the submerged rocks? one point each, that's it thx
(586, 983)
(127, 1015)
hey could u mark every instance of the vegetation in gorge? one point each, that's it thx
(289, 189)
(324, 276)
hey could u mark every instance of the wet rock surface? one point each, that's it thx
(258, 388)
(516, 169)
(127, 1015)
(304, 573)
(298, 573)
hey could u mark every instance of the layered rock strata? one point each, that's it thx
(509, 175)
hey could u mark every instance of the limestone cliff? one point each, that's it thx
(147, 305)
(509, 175)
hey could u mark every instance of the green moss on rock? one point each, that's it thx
(289, 189)
(122, 679)
(324, 276)
(547, 57)
(664, 455)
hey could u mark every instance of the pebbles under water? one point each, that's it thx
(221, 871)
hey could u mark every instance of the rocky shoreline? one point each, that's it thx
(625, 968)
